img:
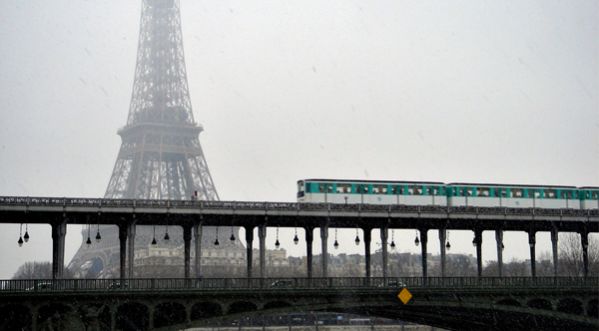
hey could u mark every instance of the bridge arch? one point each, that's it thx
(202, 310)
(570, 306)
(132, 316)
(168, 313)
(241, 307)
(540, 304)
(15, 317)
(58, 316)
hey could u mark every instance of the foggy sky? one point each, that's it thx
(465, 91)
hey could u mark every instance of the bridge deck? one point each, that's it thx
(244, 213)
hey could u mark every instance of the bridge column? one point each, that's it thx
(499, 242)
(131, 249)
(442, 241)
(59, 231)
(531, 243)
(123, 250)
(324, 240)
(367, 240)
(249, 239)
(384, 235)
(187, 250)
(478, 241)
(423, 242)
(309, 241)
(262, 239)
(197, 233)
(584, 240)
(554, 240)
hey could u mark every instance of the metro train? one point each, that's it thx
(440, 194)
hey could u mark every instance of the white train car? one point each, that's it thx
(517, 196)
(371, 192)
(589, 197)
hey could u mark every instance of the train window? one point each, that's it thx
(566, 195)
(483, 191)
(550, 194)
(329, 188)
(321, 188)
(595, 195)
(517, 192)
(379, 189)
(394, 189)
(308, 187)
(343, 188)
(536, 193)
(385, 189)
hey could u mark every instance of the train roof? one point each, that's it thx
(509, 185)
(369, 181)
(441, 183)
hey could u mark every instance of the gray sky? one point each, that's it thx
(477, 91)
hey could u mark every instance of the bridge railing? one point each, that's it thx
(168, 284)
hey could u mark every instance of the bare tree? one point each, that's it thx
(34, 270)
(37, 270)
(570, 255)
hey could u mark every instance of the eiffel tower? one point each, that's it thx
(160, 156)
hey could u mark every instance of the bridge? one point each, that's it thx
(464, 303)
(193, 215)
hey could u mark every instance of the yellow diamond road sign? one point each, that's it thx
(404, 295)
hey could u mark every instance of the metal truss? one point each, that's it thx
(160, 155)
